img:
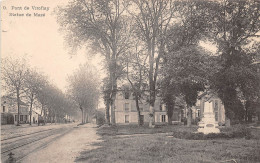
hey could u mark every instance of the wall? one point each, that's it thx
(120, 111)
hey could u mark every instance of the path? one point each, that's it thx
(67, 148)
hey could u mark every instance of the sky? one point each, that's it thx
(38, 39)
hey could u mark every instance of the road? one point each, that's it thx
(51, 144)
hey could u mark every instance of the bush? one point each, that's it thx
(237, 131)
(100, 118)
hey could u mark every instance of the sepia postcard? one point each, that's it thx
(130, 81)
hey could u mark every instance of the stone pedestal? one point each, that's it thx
(208, 124)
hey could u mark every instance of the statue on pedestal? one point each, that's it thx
(208, 124)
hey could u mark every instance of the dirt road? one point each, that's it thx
(66, 148)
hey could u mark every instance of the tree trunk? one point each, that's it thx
(151, 116)
(31, 104)
(107, 113)
(151, 109)
(170, 113)
(189, 117)
(138, 110)
(44, 111)
(113, 91)
(18, 107)
(113, 118)
(113, 76)
(82, 114)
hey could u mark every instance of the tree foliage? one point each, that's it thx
(84, 89)
(103, 26)
(234, 26)
(14, 72)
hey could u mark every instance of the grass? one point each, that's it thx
(134, 129)
(153, 147)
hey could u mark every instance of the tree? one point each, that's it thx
(101, 25)
(14, 72)
(152, 21)
(84, 89)
(33, 82)
(43, 96)
(186, 66)
(168, 93)
(56, 103)
(137, 76)
(186, 72)
(234, 26)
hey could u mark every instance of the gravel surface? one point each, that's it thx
(67, 148)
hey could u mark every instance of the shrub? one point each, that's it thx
(237, 131)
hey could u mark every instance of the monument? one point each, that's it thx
(208, 124)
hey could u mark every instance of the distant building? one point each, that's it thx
(9, 111)
(126, 112)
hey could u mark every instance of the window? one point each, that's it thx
(126, 106)
(216, 116)
(126, 118)
(198, 113)
(21, 117)
(15, 118)
(3, 108)
(25, 117)
(127, 94)
(163, 118)
(216, 105)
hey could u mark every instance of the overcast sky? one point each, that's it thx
(38, 38)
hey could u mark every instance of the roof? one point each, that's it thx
(5, 98)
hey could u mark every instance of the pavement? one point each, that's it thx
(67, 148)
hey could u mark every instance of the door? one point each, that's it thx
(10, 119)
(141, 119)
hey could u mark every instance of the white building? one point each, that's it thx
(126, 112)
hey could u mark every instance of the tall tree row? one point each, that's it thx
(14, 72)
(84, 89)
(21, 82)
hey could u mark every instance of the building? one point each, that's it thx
(126, 112)
(35, 117)
(9, 111)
